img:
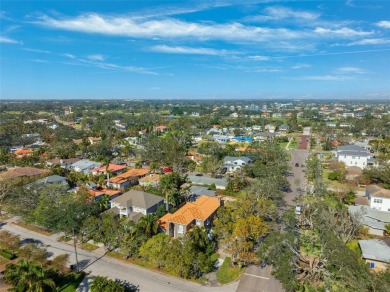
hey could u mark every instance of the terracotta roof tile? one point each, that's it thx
(200, 209)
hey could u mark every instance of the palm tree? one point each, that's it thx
(199, 238)
(103, 202)
(149, 224)
(26, 276)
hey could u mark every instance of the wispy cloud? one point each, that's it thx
(97, 57)
(259, 58)
(37, 51)
(383, 24)
(187, 50)
(166, 28)
(7, 40)
(342, 32)
(371, 41)
(104, 65)
(280, 12)
(301, 66)
(326, 78)
(349, 70)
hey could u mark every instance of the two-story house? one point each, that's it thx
(199, 213)
(127, 178)
(231, 164)
(354, 155)
(378, 197)
(135, 204)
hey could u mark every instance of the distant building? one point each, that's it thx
(85, 166)
(234, 163)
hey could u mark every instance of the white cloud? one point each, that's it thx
(7, 40)
(104, 65)
(280, 12)
(341, 32)
(187, 50)
(349, 70)
(70, 56)
(96, 57)
(259, 58)
(383, 24)
(373, 41)
(37, 51)
(301, 66)
(326, 78)
(166, 28)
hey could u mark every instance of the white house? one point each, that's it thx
(379, 198)
(84, 166)
(134, 204)
(353, 155)
(234, 163)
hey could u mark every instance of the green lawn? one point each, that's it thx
(70, 282)
(226, 273)
(89, 246)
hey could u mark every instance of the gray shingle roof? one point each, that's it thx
(138, 199)
(375, 249)
(52, 179)
(230, 159)
(198, 190)
(373, 218)
(207, 180)
(377, 191)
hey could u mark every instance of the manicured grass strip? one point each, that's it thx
(34, 228)
(227, 273)
(70, 282)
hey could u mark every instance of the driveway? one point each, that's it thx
(95, 264)
(256, 279)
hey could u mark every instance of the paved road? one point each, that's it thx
(256, 279)
(96, 264)
(297, 178)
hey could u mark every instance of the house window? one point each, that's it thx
(378, 201)
(180, 229)
(353, 157)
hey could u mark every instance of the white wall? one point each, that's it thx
(383, 206)
(358, 161)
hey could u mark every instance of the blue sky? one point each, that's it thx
(195, 49)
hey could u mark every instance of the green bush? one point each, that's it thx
(7, 255)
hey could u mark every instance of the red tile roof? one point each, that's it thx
(111, 167)
(201, 209)
(24, 152)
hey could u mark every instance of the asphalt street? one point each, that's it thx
(95, 264)
(297, 177)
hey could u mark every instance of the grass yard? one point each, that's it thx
(65, 238)
(89, 246)
(226, 273)
(34, 228)
(293, 145)
(70, 282)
